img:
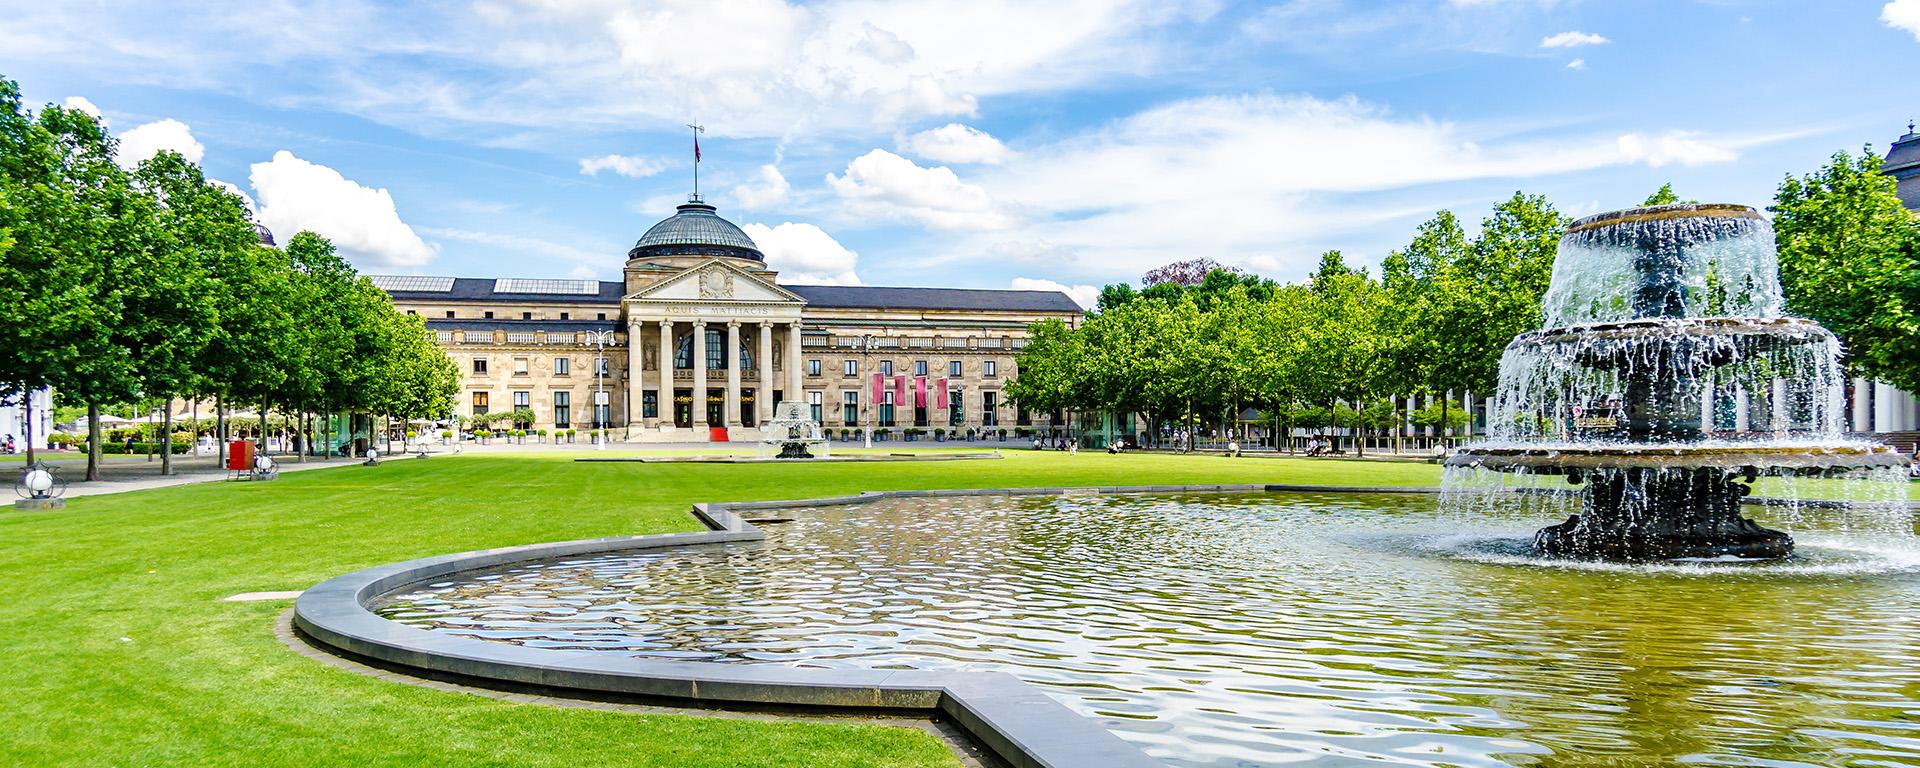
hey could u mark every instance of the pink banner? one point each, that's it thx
(919, 391)
(900, 390)
(940, 395)
(877, 387)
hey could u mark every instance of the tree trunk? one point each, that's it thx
(93, 441)
(166, 439)
(1359, 430)
(149, 437)
(1446, 424)
(220, 433)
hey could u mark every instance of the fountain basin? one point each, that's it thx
(1805, 460)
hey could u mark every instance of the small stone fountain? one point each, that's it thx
(793, 431)
(1666, 379)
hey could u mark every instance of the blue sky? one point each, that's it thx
(966, 143)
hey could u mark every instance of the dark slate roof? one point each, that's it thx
(1909, 191)
(521, 326)
(481, 289)
(868, 297)
(695, 229)
(1904, 154)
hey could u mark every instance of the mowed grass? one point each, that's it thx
(117, 652)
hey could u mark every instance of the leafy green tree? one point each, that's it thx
(1665, 196)
(1850, 259)
(1114, 296)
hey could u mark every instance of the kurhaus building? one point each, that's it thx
(700, 340)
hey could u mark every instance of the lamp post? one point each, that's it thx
(600, 340)
(866, 357)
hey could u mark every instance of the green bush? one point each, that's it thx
(140, 448)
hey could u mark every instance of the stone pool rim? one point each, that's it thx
(1011, 718)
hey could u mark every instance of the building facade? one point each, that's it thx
(699, 341)
(1876, 405)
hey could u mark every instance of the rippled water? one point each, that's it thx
(1273, 629)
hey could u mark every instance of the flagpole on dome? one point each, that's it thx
(697, 130)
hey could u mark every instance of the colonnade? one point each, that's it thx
(664, 382)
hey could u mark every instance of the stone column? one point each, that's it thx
(636, 374)
(731, 417)
(763, 398)
(1863, 406)
(793, 390)
(1781, 419)
(1741, 411)
(663, 400)
(700, 375)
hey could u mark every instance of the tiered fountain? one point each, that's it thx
(793, 431)
(1665, 380)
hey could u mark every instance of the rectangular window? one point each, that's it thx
(954, 369)
(716, 349)
(989, 402)
(563, 315)
(989, 368)
(603, 316)
(562, 409)
(562, 366)
(519, 366)
(886, 408)
(1023, 418)
(850, 367)
(449, 314)
(956, 413)
(600, 366)
(919, 367)
(814, 405)
(650, 404)
(813, 367)
(526, 315)
(886, 367)
(411, 312)
(479, 403)
(489, 315)
(850, 408)
(479, 363)
(522, 400)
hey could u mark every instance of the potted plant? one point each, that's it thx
(939, 434)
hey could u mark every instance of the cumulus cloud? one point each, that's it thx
(891, 185)
(1572, 40)
(768, 189)
(1679, 147)
(1903, 15)
(361, 221)
(1084, 295)
(804, 254)
(624, 165)
(235, 189)
(82, 104)
(956, 143)
(150, 139)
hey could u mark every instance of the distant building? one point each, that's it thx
(705, 341)
(1903, 164)
(1878, 406)
(14, 418)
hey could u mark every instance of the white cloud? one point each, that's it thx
(1577, 64)
(624, 165)
(235, 188)
(147, 140)
(1084, 295)
(1573, 39)
(81, 103)
(956, 143)
(768, 190)
(804, 254)
(298, 195)
(891, 185)
(584, 272)
(760, 68)
(1902, 14)
(1679, 147)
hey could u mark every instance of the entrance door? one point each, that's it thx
(683, 408)
(747, 408)
(716, 410)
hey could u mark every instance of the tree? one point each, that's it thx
(1665, 196)
(1850, 259)
(1188, 272)
(1113, 296)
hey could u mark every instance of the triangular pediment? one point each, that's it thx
(717, 281)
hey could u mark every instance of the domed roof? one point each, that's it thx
(695, 230)
(266, 235)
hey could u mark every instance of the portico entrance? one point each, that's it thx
(716, 335)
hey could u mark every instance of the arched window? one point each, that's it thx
(683, 353)
(746, 350)
(716, 349)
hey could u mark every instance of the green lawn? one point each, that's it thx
(118, 653)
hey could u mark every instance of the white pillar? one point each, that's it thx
(1885, 407)
(636, 373)
(1740, 411)
(1862, 405)
(793, 363)
(763, 399)
(731, 417)
(663, 400)
(1781, 418)
(699, 374)
(1706, 405)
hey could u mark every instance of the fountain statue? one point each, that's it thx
(1665, 380)
(793, 431)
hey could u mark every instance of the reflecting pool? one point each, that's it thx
(1269, 629)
